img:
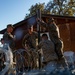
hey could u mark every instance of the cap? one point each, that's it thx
(10, 25)
(50, 19)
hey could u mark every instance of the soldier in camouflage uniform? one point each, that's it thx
(8, 37)
(29, 43)
(30, 38)
(55, 38)
(48, 52)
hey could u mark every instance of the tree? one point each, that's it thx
(70, 8)
(34, 8)
(61, 7)
(56, 7)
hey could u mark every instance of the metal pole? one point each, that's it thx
(38, 24)
(38, 29)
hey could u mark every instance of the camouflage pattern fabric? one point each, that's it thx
(9, 39)
(55, 38)
(47, 47)
(30, 39)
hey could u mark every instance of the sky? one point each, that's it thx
(14, 11)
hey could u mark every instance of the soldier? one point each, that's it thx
(8, 37)
(55, 38)
(29, 43)
(29, 39)
(48, 52)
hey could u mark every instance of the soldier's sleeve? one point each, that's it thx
(54, 31)
(10, 35)
(5, 36)
(36, 34)
(24, 39)
(42, 23)
(39, 46)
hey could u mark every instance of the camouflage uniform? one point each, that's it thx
(55, 38)
(9, 39)
(47, 47)
(30, 39)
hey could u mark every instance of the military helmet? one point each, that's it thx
(10, 25)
